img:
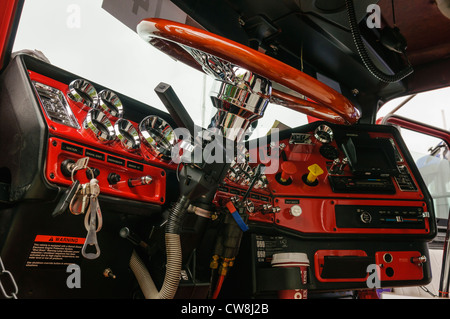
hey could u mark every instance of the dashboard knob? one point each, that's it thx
(314, 172)
(113, 178)
(295, 211)
(366, 218)
(288, 169)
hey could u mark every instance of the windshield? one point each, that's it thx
(83, 38)
(429, 152)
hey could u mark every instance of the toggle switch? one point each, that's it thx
(140, 181)
(334, 169)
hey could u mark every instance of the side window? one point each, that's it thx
(431, 156)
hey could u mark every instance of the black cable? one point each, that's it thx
(388, 78)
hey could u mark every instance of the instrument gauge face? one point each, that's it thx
(98, 124)
(157, 136)
(127, 134)
(110, 103)
(324, 133)
(83, 92)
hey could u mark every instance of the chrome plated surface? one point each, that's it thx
(110, 103)
(98, 124)
(127, 134)
(82, 92)
(324, 133)
(240, 96)
(55, 105)
(157, 136)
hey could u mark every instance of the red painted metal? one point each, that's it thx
(416, 126)
(318, 216)
(9, 9)
(318, 202)
(153, 193)
(82, 136)
(401, 267)
(328, 104)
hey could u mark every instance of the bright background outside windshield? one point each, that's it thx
(101, 49)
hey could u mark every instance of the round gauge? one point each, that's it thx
(157, 136)
(98, 124)
(127, 134)
(110, 103)
(83, 93)
(324, 133)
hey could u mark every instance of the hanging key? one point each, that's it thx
(80, 201)
(92, 224)
(66, 198)
(72, 190)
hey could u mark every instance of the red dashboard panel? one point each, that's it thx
(60, 150)
(340, 203)
(72, 143)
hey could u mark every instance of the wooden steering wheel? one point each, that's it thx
(323, 102)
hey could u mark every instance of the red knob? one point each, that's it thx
(288, 169)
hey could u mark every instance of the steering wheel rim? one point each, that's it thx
(324, 102)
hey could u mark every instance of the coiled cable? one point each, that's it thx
(387, 78)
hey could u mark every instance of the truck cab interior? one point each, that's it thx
(104, 194)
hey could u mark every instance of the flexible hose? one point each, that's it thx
(173, 255)
(173, 269)
(388, 78)
(143, 277)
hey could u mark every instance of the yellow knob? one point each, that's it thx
(314, 172)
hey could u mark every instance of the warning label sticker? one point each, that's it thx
(54, 251)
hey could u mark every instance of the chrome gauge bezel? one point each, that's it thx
(99, 125)
(83, 93)
(110, 103)
(127, 135)
(324, 134)
(157, 136)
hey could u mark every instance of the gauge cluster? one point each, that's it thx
(83, 121)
